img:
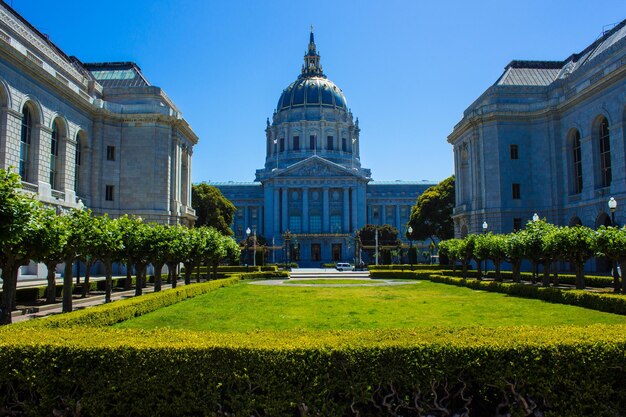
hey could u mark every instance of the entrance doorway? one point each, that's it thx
(336, 252)
(316, 252)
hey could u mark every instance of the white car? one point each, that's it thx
(341, 266)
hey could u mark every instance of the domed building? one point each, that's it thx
(312, 185)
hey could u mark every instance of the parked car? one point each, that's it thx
(344, 266)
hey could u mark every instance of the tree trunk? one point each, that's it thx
(198, 272)
(516, 266)
(555, 274)
(67, 284)
(580, 275)
(479, 271)
(533, 273)
(464, 270)
(453, 260)
(622, 265)
(188, 270)
(129, 275)
(172, 268)
(546, 274)
(88, 266)
(139, 271)
(51, 290)
(108, 273)
(9, 286)
(158, 279)
(497, 268)
(215, 265)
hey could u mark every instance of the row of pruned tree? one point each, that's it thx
(541, 243)
(30, 231)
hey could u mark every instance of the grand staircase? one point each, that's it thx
(304, 273)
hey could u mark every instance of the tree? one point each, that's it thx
(611, 242)
(51, 241)
(157, 250)
(78, 223)
(128, 227)
(447, 249)
(574, 244)
(534, 246)
(106, 245)
(18, 230)
(514, 249)
(387, 239)
(212, 208)
(431, 216)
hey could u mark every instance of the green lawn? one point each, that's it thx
(244, 307)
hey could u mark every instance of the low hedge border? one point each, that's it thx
(406, 267)
(108, 314)
(560, 371)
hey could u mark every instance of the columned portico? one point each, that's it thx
(305, 210)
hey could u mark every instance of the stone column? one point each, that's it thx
(276, 211)
(346, 210)
(246, 220)
(285, 219)
(398, 224)
(355, 224)
(325, 210)
(305, 210)
(383, 214)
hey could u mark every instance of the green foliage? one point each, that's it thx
(610, 242)
(212, 208)
(431, 216)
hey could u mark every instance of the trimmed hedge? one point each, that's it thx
(108, 314)
(562, 371)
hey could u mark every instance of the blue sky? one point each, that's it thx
(408, 68)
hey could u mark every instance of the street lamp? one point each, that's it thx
(254, 251)
(287, 251)
(246, 248)
(535, 217)
(485, 227)
(612, 207)
(409, 232)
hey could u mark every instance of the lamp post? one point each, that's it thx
(535, 217)
(409, 232)
(246, 248)
(612, 207)
(485, 227)
(254, 251)
(287, 251)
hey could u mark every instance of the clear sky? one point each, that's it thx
(408, 68)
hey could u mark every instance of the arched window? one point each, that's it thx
(54, 156)
(605, 152)
(577, 165)
(78, 156)
(26, 139)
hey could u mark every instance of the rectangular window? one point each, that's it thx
(335, 223)
(296, 143)
(110, 153)
(605, 154)
(578, 165)
(315, 224)
(312, 142)
(295, 224)
(329, 143)
(344, 145)
(282, 144)
(514, 152)
(109, 193)
(316, 252)
(516, 191)
(517, 224)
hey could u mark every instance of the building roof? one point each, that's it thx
(117, 74)
(544, 73)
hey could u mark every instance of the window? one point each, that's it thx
(54, 154)
(336, 248)
(375, 212)
(516, 191)
(316, 252)
(514, 152)
(26, 136)
(77, 162)
(605, 153)
(335, 223)
(577, 162)
(344, 146)
(312, 143)
(315, 224)
(296, 143)
(517, 224)
(329, 143)
(282, 144)
(109, 193)
(295, 224)
(110, 153)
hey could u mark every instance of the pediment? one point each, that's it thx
(316, 166)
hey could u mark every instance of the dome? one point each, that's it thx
(311, 91)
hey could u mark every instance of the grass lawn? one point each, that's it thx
(244, 307)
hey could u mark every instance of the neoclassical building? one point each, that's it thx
(312, 184)
(94, 134)
(548, 137)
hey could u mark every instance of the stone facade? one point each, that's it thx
(546, 138)
(95, 133)
(312, 184)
